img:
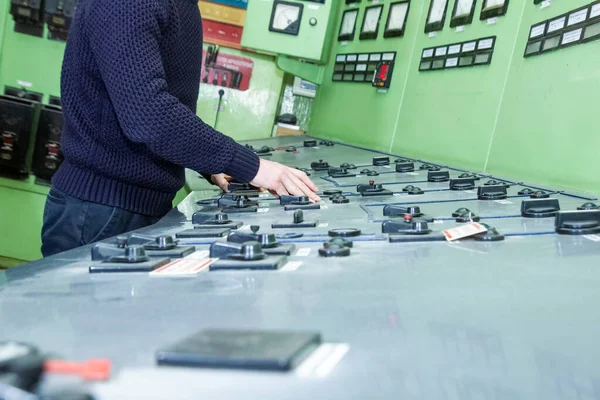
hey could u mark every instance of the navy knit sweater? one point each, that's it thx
(130, 80)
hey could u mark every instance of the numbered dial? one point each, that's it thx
(286, 17)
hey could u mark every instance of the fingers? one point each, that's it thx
(296, 187)
(221, 182)
(305, 179)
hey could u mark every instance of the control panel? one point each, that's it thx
(28, 16)
(300, 29)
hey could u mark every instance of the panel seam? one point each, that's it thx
(501, 102)
(412, 54)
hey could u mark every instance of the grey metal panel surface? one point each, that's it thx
(507, 320)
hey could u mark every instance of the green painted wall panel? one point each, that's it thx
(526, 119)
(546, 126)
(448, 116)
(30, 59)
(355, 112)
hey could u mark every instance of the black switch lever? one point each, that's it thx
(267, 240)
(584, 222)
(247, 251)
(107, 252)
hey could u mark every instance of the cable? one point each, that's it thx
(221, 93)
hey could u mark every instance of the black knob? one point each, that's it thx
(298, 216)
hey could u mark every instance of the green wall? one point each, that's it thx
(514, 118)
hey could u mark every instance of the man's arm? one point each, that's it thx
(126, 47)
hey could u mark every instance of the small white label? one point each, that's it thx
(485, 44)
(351, 57)
(503, 201)
(265, 205)
(593, 238)
(577, 17)
(455, 49)
(386, 166)
(375, 57)
(412, 173)
(388, 56)
(381, 91)
(452, 62)
(323, 225)
(557, 24)
(460, 28)
(361, 67)
(324, 207)
(291, 266)
(313, 7)
(200, 254)
(375, 1)
(438, 221)
(463, 231)
(546, 3)
(397, 194)
(441, 51)
(573, 36)
(244, 228)
(427, 53)
(262, 210)
(432, 34)
(492, 21)
(344, 43)
(363, 57)
(303, 252)
(469, 191)
(24, 83)
(537, 31)
(183, 266)
(595, 11)
(341, 58)
(470, 46)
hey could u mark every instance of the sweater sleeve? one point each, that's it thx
(125, 40)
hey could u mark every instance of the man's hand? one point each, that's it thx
(281, 180)
(221, 180)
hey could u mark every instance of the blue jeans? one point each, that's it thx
(70, 222)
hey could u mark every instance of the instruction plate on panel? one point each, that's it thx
(485, 44)
(537, 31)
(427, 53)
(455, 49)
(452, 62)
(573, 36)
(440, 51)
(469, 47)
(595, 11)
(577, 17)
(557, 24)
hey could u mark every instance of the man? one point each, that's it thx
(129, 87)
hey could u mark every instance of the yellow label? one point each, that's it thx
(221, 13)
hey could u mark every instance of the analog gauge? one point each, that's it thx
(348, 25)
(493, 4)
(463, 12)
(396, 19)
(286, 17)
(437, 11)
(493, 8)
(370, 24)
(463, 7)
(436, 16)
